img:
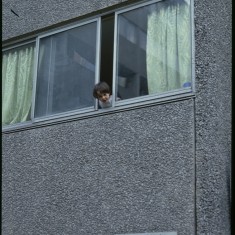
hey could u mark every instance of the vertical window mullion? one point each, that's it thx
(98, 45)
(115, 60)
(192, 44)
(51, 76)
(35, 79)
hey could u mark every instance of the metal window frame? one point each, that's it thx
(18, 45)
(66, 114)
(115, 56)
(96, 20)
(128, 104)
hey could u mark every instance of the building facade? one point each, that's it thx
(159, 160)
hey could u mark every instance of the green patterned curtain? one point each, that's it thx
(17, 85)
(169, 46)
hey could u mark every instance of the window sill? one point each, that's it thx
(95, 113)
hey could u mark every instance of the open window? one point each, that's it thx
(143, 52)
(106, 53)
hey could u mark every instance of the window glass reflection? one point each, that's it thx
(154, 49)
(66, 71)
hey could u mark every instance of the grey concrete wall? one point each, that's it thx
(126, 172)
(35, 15)
(56, 180)
(213, 115)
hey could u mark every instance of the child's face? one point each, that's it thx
(103, 97)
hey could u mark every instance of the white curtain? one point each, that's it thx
(168, 46)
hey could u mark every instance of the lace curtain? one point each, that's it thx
(17, 85)
(168, 49)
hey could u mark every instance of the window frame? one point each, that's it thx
(150, 97)
(117, 106)
(97, 71)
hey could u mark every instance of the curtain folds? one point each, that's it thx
(168, 49)
(17, 85)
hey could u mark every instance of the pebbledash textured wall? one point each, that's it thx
(34, 16)
(160, 168)
(213, 115)
(121, 173)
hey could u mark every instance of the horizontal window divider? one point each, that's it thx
(138, 99)
(81, 116)
(67, 27)
(18, 45)
(64, 114)
(13, 46)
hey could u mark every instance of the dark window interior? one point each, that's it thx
(107, 39)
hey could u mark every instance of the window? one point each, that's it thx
(106, 53)
(66, 71)
(17, 84)
(143, 52)
(153, 54)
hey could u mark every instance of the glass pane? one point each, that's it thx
(66, 71)
(17, 84)
(154, 49)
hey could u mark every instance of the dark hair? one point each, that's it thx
(101, 87)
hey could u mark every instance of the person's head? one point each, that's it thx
(102, 91)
